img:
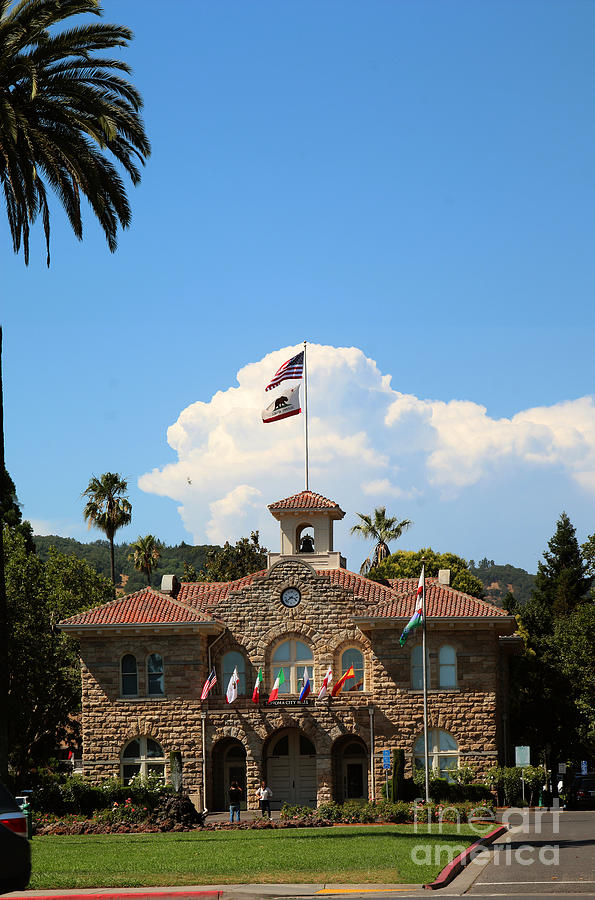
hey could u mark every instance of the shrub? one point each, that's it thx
(393, 812)
(330, 811)
(297, 812)
(358, 811)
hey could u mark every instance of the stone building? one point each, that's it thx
(145, 658)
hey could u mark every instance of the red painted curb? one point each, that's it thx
(116, 895)
(459, 862)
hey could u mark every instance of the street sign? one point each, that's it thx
(522, 756)
(561, 768)
(584, 768)
(386, 764)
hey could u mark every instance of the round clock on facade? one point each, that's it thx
(290, 597)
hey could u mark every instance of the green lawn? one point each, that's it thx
(374, 854)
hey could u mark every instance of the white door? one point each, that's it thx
(291, 770)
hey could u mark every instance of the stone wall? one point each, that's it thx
(257, 622)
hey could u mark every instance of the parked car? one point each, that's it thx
(581, 794)
(15, 849)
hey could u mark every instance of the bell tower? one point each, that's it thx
(306, 521)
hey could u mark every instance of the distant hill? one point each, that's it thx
(96, 554)
(499, 580)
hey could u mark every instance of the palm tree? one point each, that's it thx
(145, 555)
(65, 118)
(381, 529)
(107, 508)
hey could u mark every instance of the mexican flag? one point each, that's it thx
(338, 687)
(279, 680)
(418, 616)
(256, 691)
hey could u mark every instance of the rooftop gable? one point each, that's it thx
(306, 500)
(144, 607)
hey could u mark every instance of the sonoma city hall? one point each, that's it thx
(145, 658)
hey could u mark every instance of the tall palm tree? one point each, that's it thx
(145, 555)
(381, 529)
(107, 508)
(65, 117)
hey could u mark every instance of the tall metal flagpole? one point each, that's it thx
(306, 414)
(425, 679)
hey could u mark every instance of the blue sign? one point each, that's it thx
(584, 769)
(386, 759)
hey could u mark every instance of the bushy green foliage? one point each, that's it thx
(507, 780)
(407, 564)
(505, 578)
(295, 811)
(234, 561)
(330, 811)
(75, 795)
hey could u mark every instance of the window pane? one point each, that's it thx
(300, 677)
(129, 771)
(155, 663)
(156, 684)
(417, 671)
(153, 749)
(285, 688)
(448, 676)
(354, 750)
(306, 746)
(155, 769)
(132, 751)
(355, 658)
(128, 664)
(445, 764)
(418, 747)
(234, 660)
(446, 741)
(447, 655)
(281, 654)
(302, 652)
(129, 685)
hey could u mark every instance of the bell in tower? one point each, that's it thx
(307, 521)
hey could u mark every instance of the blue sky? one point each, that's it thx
(411, 179)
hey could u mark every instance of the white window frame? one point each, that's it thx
(143, 761)
(417, 666)
(447, 666)
(122, 658)
(149, 692)
(435, 754)
(293, 668)
(343, 668)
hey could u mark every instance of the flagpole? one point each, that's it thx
(306, 415)
(425, 680)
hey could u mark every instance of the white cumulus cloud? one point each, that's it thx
(369, 444)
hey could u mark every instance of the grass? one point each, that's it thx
(379, 854)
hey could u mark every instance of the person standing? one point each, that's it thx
(235, 797)
(264, 795)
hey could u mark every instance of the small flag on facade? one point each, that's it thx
(325, 684)
(209, 683)
(292, 368)
(232, 687)
(287, 404)
(338, 687)
(256, 691)
(307, 687)
(418, 616)
(279, 680)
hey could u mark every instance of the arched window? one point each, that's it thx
(234, 660)
(417, 671)
(155, 681)
(129, 676)
(443, 751)
(142, 756)
(294, 657)
(447, 659)
(353, 657)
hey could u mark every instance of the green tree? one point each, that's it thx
(190, 573)
(44, 684)
(108, 508)
(230, 562)
(69, 120)
(408, 563)
(10, 509)
(145, 553)
(588, 552)
(380, 528)
(573, 646)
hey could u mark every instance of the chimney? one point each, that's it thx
(170, 585)
(444, 577)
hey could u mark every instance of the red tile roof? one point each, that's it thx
(306, 500)
(442, 601)
(203, 595)
(146, 607)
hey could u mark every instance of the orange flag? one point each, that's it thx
(338, 687)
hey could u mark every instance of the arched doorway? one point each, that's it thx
(290, 766)
(350, 768)
(228, 764)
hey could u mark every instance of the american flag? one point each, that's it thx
(293, 368)
(209, 683)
